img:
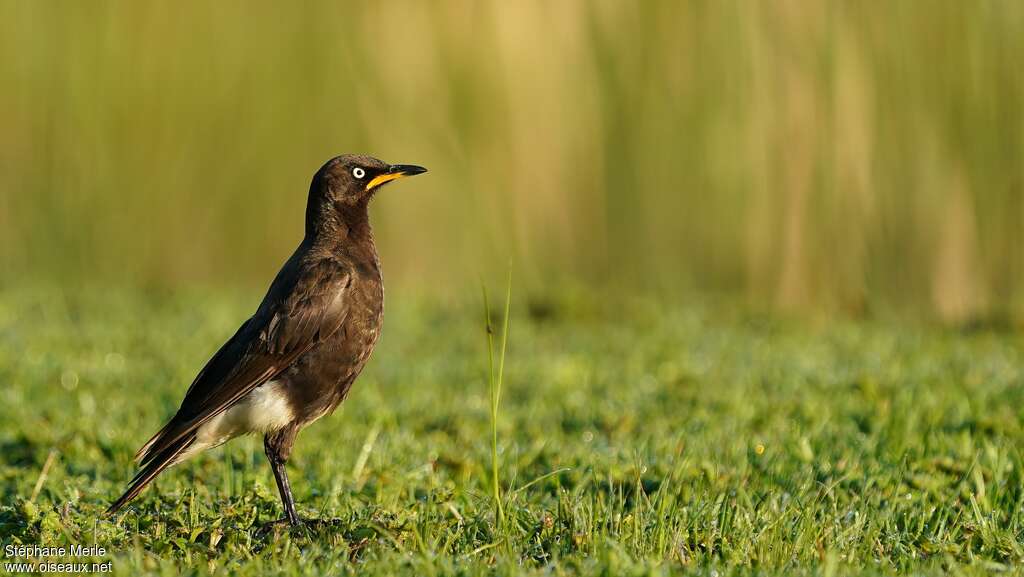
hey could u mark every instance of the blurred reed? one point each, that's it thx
(835, 156)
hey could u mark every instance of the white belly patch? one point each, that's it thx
(264, 409)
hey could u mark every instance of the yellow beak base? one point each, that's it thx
(382, 178)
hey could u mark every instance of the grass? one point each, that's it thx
(635, 439)
(494, 387)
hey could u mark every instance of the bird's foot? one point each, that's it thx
(300, 526)
(284, 524)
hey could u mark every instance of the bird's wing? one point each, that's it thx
(295, 315)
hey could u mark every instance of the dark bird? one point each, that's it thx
(296, 358)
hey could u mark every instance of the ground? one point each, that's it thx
(635, 438)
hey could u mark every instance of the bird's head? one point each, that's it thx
(347, 182)
(351, 178)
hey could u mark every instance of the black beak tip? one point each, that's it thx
(407, 169)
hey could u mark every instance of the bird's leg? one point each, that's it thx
(278, 446)
(287, 501)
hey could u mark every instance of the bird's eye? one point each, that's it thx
(358, 172)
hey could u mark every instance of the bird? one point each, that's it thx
(296, 358)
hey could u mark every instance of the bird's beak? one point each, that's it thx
(394, 172)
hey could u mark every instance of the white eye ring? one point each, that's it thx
(358, 172)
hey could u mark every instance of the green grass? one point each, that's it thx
(634, 438)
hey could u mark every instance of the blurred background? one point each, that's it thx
(836, 157)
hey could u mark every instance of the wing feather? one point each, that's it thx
(295, 316)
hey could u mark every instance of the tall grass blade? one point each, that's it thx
(494, 382)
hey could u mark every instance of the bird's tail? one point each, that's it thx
(154, 462)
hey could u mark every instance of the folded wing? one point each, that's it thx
(305, 304)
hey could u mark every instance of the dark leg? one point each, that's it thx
(278, 446)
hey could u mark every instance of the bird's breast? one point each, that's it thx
(329, 370)
(320, 380)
